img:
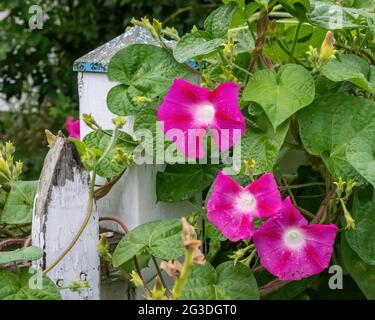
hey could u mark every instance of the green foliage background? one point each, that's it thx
(37, 64)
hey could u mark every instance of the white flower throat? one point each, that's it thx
(205, 114)
(245, 202)
(294, 238)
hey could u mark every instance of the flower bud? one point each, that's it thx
(228, 49)
(103, 246)
(89, 120)
(136, 279)
(350, 222)
(173, 269)
(194, 29)
(198, 257)
(156, 24)
(250, 166)
(122, 158)
(140, 100)
(158, 292)
(119, 121)
(327, 50)
(78, 285)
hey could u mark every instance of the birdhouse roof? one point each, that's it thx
(98, 59)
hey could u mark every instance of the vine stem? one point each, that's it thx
(183, 278)
(9, 242)
(118, 221)
(305, 185)
(159, 272)
(272, 287)
(126, 231)
(81, 229)
(291, 55)
(89, 208)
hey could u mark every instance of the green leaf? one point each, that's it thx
(227, 282)
(362, 273)
(362, 239)
(143, 70)
(200, 43)
(19, 205)
(360, 153)
(182, 182)
(244, 42)
(332, 123)
(349, 67)
(196, 44)
(118, 101)
(100, 140)
(281, 94)
(218, 22)
(161, 239)
(18, 286)
(334, 17)
(29, 254)
(263, 143)
(143, 261)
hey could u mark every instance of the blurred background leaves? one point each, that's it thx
(36, 65)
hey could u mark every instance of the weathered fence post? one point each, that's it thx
(59, 210)
(133, 198)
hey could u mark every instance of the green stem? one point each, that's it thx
(305, 185)
(158, 271)
(181, 281)
(291, 55)
(89, 208)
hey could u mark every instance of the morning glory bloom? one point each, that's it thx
(290, 248)
(232, 208)
(192, 110)
(72, 126)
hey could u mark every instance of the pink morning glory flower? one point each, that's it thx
(72, 126)
(290, 248)
(188, 111)
(232, 208)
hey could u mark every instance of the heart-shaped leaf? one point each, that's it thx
(19, 204)
(143, 70)
(228, 282)
(331, 124)
(28, 254)
(349, 67)
(24, 286)
(161, 239)
(281, 94)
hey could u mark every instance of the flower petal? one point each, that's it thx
(267, 194)
(289, 262)
(222, 213)
(73, 128)
(178, 110)
(228, 116)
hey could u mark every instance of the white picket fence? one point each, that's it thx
(63, 190)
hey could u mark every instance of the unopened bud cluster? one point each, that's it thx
(9, 170)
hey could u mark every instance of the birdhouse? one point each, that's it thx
(133, 198)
